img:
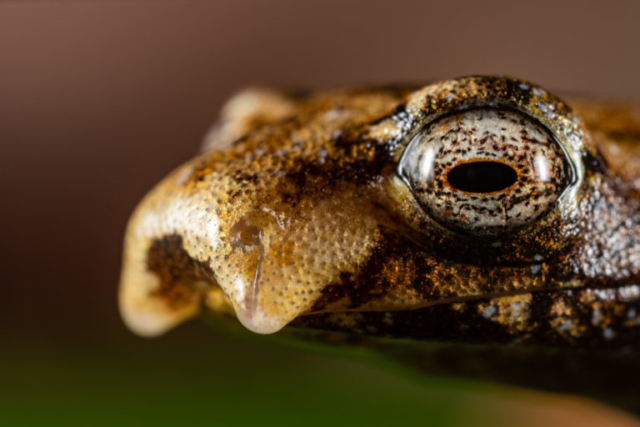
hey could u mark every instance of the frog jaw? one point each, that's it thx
(357, 268)
(273, 265)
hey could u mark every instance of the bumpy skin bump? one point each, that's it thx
(306, 219)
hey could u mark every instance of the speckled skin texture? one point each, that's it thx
(297, 213)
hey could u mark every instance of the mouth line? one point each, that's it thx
(469, 298)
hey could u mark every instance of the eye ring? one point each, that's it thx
(486, 171)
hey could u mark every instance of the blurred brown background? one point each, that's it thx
(100, 99)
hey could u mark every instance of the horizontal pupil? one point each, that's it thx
(482, 177)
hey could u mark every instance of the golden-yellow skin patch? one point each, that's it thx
(306, 238)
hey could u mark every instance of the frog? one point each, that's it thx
(480, 226)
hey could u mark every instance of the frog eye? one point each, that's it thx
(485, 171)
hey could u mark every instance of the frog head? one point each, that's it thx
(477, 209)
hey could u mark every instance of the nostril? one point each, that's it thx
(482, 177)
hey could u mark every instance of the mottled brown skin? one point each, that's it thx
(295, 213)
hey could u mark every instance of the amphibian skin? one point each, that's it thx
(477, 210)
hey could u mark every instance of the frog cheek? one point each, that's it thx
(279, 269)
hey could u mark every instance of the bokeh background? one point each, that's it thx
(100, 99)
